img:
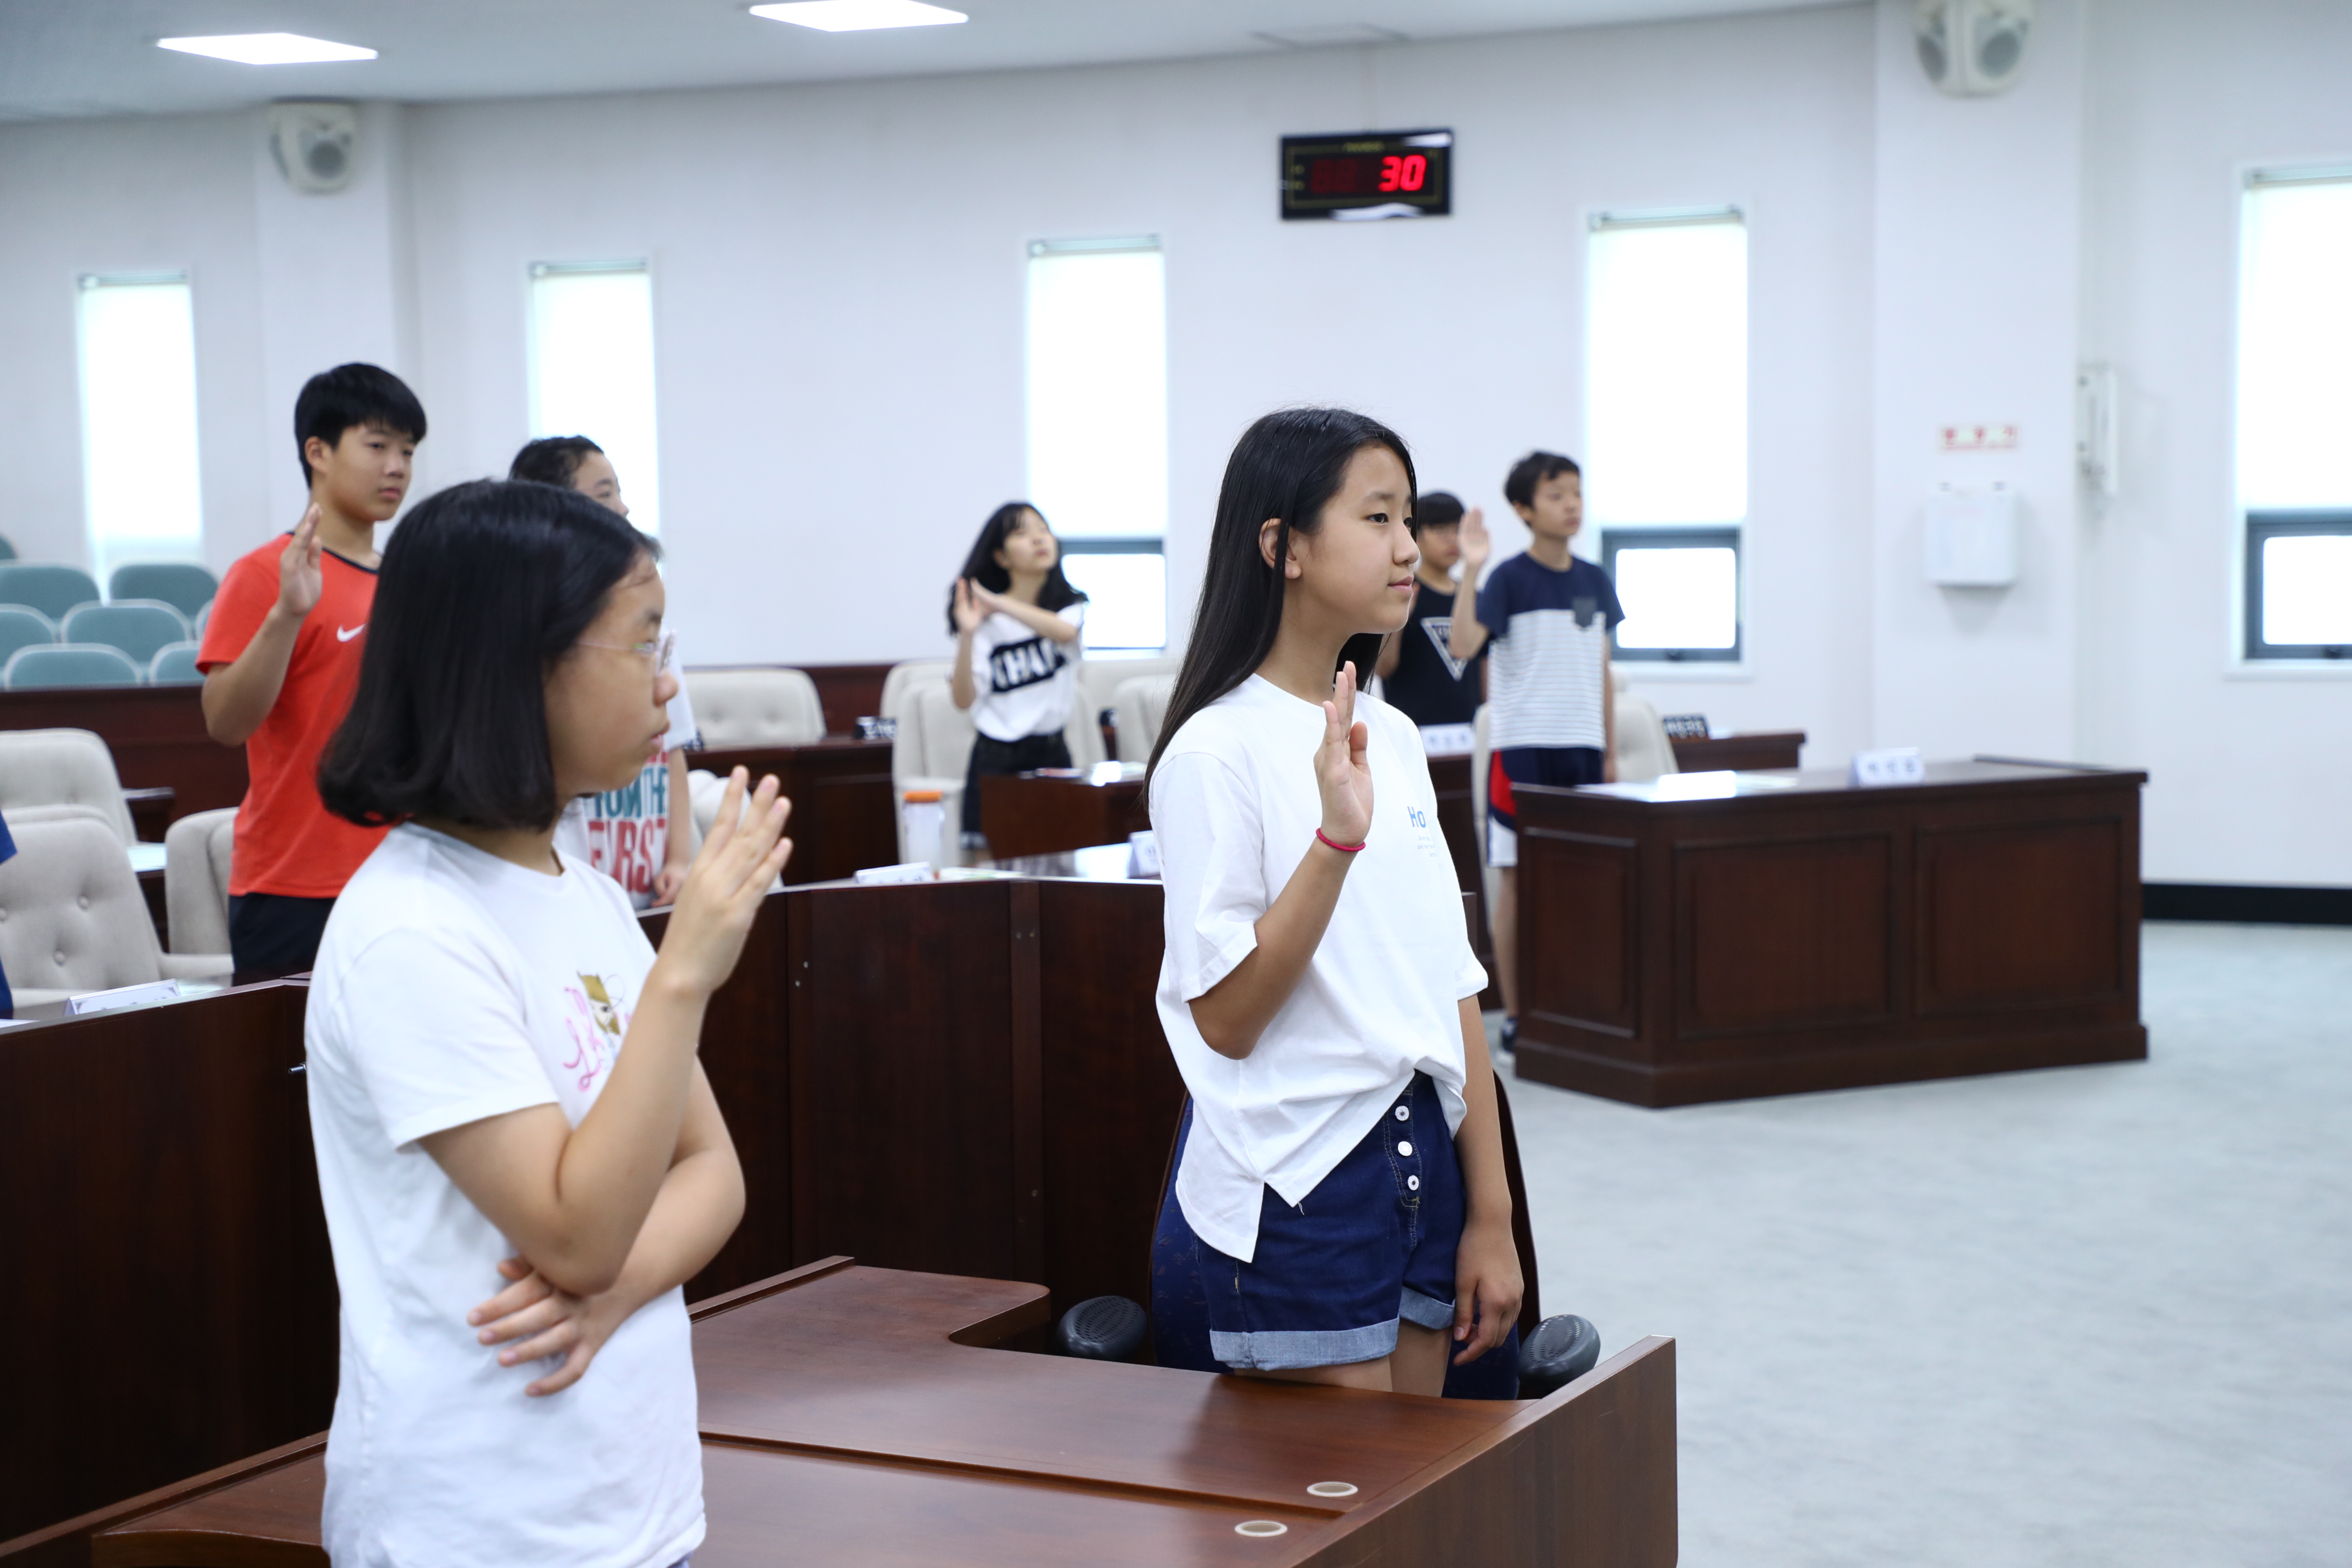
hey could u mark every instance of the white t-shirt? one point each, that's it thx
(452, 987)
(1026, 681)
(624, 833)
(1235, 808)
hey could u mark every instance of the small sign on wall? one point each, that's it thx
(1992, 438)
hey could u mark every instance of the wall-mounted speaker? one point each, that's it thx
(316, 145)
(1971, 48)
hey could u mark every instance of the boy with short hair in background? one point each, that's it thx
(1418, 674)
(281, 654)
(1549, 717)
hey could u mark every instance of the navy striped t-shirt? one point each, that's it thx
(1550, 633)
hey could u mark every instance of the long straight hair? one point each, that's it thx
(1058, 592)
(1286, 466)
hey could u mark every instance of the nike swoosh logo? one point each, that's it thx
(343, 635)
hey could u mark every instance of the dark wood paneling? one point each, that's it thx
(849, 692)
(169, 1303)
(156, 733)
(1583, 895)
(845, 816)
(1783, 934)
(2020, 916)
(1811, 935)
(1110, 1086)
(1456, 818)
(1028, 816)
(1763, 750)
(902, 1018)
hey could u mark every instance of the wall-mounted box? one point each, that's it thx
(1971, 538)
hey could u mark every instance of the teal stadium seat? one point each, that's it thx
(175, 665)
(68, 664)
(139, 627)
(21, 627)
(52, 590)
(182, 585)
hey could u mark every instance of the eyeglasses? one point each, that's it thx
(656, 654)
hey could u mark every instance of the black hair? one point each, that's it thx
(483, 588)
(552, 460)
(1438, 509)
(334, 400)
(1057, 593)
(1520, 484)
(1288, 465)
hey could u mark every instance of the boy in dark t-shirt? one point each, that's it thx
(1418, 671)
(1551, 719)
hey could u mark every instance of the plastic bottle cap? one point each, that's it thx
(922, 797)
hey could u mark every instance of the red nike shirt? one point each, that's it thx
(287, 842)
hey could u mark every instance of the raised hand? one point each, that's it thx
(742, 855)
(969, 611)
(1342, 776)
(1477, 544)
(301, 579)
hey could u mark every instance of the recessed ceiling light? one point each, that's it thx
(859, 15)
(266, 48)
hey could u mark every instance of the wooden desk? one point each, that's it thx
(858, 1415)
(1028, 815)
(1750, 753)
(845, 817)
(1789, 934)
(156, 733)
(964, 1077)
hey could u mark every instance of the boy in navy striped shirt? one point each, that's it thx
(1549, 718)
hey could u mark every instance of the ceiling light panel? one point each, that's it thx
(266, 48)
(859, 15)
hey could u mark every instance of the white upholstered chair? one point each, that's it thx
(1141, 703)
(62, 767)
(1643, 752)
(72, 918)
(933, 747)
(756, 707)
(197, 851)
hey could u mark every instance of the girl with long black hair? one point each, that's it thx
(520, 1159)
(1017, 621)
(1341, 1174)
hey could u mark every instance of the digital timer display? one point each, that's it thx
(1367, 174)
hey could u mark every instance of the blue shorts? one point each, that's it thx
(1564, 767)
(1373, 1243)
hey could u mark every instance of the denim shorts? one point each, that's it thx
(1373, 1243)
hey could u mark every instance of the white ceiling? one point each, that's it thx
(65, 58)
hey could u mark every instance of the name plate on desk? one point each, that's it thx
(122, 996)
(887, 875)
(1895, 766)
(1448, 739)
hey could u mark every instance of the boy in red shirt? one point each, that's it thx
(281, 654)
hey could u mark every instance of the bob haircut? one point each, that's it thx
(1520, 484)
(552, 460)
(1058, 593)
(483, 588)
(333, 401)
(1288, 465)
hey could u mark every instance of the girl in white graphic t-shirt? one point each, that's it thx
(1017, 621)
(1340, 1185)
(520, 1156)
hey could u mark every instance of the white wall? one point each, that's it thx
(2249, 767)
(839, 299)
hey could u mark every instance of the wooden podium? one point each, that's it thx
(867, 1416)
(1716, 936)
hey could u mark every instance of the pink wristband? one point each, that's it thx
(1342, 848)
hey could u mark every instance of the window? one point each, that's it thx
(1666, 436)
(2295, 403)
(1097, 420)
(140, 477)
(592, 370)
(1680, 590)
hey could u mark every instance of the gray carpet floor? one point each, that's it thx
(2086, 1316)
